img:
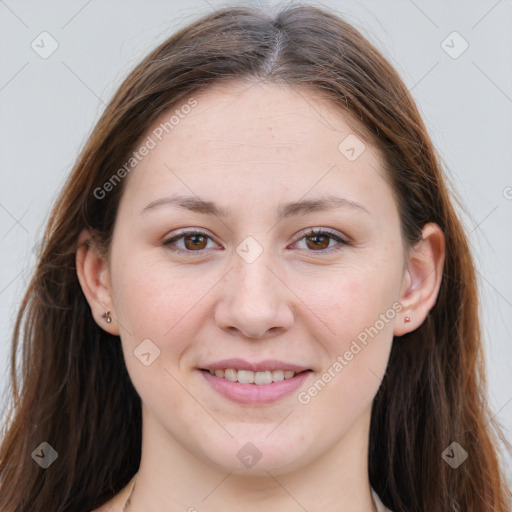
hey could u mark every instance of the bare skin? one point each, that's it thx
(249, 148)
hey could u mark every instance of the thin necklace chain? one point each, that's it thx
(133, 487)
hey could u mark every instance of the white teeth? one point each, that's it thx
(246, 377)
(278, 375)
(262, 377)
(231, 375)
(250, 377)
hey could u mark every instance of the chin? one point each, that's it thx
(260, 457)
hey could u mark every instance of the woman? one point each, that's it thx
(254, 292)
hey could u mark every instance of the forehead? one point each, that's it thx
(263, 139)
(265, 115)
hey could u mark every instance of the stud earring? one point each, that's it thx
(407, 320)
(107, 317)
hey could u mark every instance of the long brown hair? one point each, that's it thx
(72, 388)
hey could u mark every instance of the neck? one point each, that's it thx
(335, 482)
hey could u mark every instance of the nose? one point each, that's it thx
(256, 302)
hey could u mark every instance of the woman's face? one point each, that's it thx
(251, 287)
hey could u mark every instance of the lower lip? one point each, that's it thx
(255, 394)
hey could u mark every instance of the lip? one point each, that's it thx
(260, 366)
(254, 394)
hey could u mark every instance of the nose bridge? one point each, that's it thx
(256, 300)
(254, 285)
(253, 258)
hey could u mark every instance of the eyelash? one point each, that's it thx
(312, 232)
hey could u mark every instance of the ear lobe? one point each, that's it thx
(94, 277)
(422, 279)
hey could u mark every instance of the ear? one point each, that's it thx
(94, 276)
(422, 279)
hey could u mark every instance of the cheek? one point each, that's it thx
(350, 301)
(162, 302)
(359, 305)
(154, 307)
(355, 362)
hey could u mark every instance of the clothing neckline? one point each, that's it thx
(378, 503)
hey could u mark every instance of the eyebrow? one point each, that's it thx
(295, 208)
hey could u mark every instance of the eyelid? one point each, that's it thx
(322, 231)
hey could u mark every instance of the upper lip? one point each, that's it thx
(267, 364)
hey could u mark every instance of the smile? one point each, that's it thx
(254, 388)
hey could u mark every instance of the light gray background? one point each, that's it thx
(50, 105)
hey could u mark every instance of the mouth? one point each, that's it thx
(254, 387)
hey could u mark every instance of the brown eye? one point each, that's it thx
(195, 241)
(188, 242)
(318, 241)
